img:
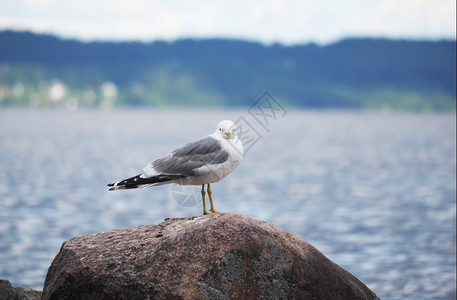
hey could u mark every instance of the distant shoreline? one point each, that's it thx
(372, 74)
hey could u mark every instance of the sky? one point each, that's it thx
(268, 21)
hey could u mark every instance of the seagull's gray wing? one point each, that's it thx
(183, 161)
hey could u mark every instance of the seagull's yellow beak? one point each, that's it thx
(228, 135)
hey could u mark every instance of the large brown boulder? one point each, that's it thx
(217, 256)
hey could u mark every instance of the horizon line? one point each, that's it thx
(65, 37)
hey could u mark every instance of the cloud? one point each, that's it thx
(287, 21)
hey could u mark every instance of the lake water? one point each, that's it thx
(374, 192)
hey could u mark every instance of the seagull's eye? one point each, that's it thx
(220, 129)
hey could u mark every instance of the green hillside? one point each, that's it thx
(353, 73)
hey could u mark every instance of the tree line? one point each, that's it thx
(351, 73)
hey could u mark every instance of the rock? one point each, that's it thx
(7, 292)
(217, 256)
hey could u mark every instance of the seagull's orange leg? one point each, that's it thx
(203, 198)
(210, 199)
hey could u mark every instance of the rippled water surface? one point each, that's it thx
(374, 192)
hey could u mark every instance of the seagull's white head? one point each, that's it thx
(227, 129)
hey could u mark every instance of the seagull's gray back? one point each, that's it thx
(185, 160)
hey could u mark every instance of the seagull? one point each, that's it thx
(201, 162)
